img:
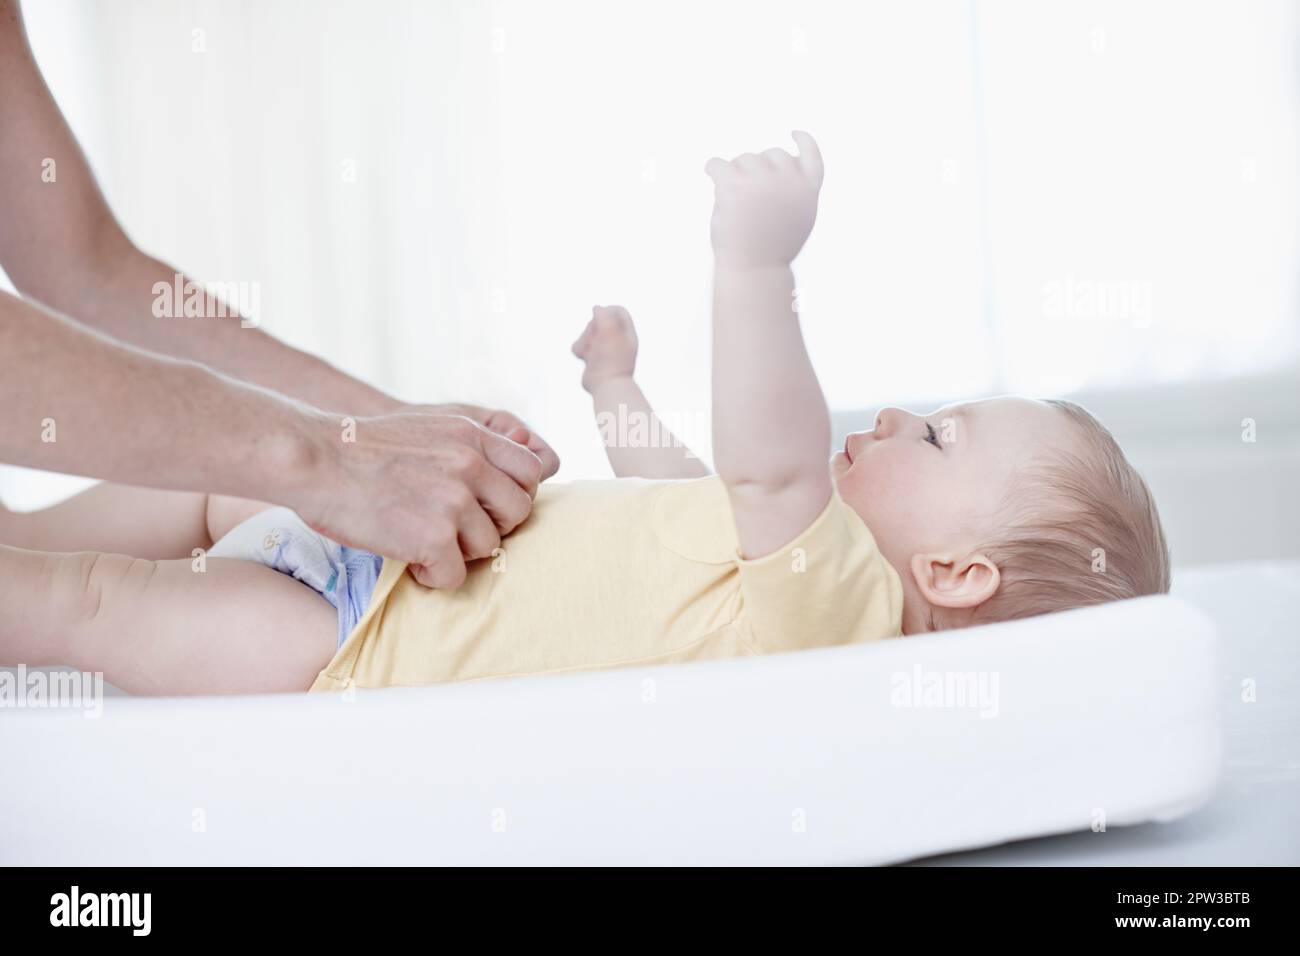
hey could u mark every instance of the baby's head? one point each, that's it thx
(1003, 508)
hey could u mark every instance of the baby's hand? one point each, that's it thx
(607, 345)
(764, 206)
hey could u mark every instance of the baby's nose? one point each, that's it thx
(887, 420)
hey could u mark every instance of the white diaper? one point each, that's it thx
(281, 540)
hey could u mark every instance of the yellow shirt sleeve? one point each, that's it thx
(830, 585)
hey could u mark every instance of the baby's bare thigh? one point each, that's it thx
(225, 626)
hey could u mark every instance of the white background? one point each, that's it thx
(515, 163)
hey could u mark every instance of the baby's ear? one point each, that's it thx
(948, 581)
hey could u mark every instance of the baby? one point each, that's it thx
(978, 512)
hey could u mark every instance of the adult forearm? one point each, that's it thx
(80, 402)
(61, 245)
(145, 302)
(771, 427)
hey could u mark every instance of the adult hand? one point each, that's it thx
(433, 490)
(503, 423)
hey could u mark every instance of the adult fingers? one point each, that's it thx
(477, 533)
(521, 435)
(544, 452)
(505, 423)
(512, 458)
(447, 571)
(506, 502)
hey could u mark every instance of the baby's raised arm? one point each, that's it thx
(771, 427)
(637, 443)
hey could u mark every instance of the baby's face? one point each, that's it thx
(928, 484)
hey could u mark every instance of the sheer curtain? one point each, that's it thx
(432, 195)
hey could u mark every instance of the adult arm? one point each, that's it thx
(61, 245)
(432, 490)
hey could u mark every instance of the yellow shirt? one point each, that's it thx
(623, 572)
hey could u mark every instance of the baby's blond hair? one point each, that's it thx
(1077, 528)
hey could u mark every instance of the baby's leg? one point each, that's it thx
(122, 519)
(224, 513)
(160, 627)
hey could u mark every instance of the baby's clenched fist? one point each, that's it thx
(764, 205)
(607, 345)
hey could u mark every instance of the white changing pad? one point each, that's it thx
(1106, 713)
